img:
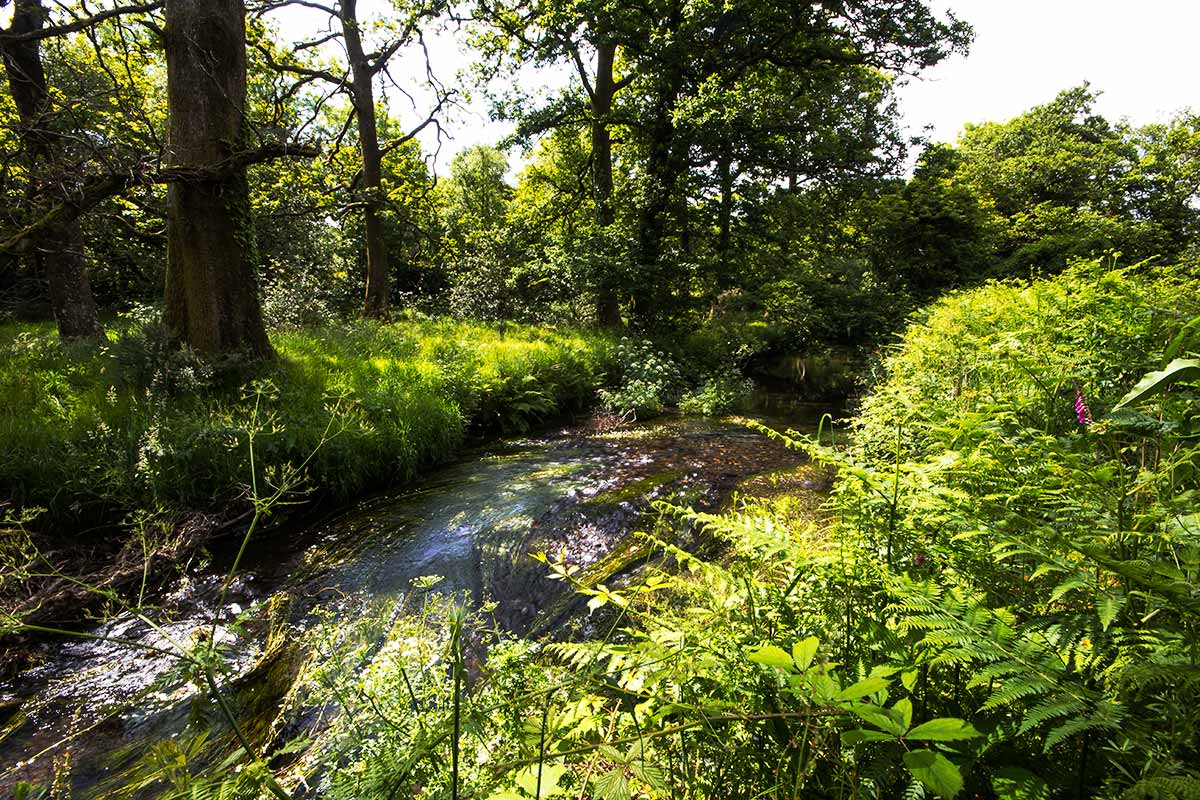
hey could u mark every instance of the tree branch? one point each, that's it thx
(77, 25)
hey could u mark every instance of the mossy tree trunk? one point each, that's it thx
(59, 249)
(362, 74)
(608, 308)
(212, 300)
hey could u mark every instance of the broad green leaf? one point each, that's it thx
(527, 779)
(772, 656)
(1014, 783)
(858, 735)
(612, 785)
(862, 689)
(936, 771)
(904, 710)
(943, 729)
(909, 679)
(1155, 382)
(878, 717)
(803, 652)
(648, 773)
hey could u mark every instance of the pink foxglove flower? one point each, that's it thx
(1082, 412)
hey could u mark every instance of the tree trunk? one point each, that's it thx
(211, 290)
(725, 223)
(664, 166)
(378, 277)
(58, 250)
(608, 307)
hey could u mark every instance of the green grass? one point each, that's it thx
(89, 431)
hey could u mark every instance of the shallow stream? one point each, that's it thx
(90, 707)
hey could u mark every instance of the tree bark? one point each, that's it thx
(664, 166)
(608, 307)
(378, 275)
(211, 290)
(725, 223)
(58, 250)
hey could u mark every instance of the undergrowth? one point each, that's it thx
(999, 602)
(92, 432)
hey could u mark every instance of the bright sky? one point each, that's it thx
(1141, 55)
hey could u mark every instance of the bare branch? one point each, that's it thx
(82, 23)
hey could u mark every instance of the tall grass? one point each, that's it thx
(87, 431)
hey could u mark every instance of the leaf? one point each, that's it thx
(1155, 382)
(909, 679)
(1183, 337)
(1067, 586)
(859, 735)
(527, 779)
(878, 717)
(1014, 783)
(612, 785)
(1108, 606)
(772, 656)
(803, 652)
(649, 774)
(943, 729)
(862, 689)
(903, 706)
(936, 771)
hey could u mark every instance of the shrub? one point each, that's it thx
(648, 380)
(720, 394)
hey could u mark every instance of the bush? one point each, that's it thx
(720, 394)
(648, 380)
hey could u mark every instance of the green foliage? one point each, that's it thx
(648, 380)
(1001, 599)
(719, 394)
(1037, 566)
(136, 423)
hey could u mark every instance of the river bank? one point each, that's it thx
(119, 458)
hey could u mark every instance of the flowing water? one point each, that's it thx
(92, 706)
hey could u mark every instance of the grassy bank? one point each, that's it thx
(93, 432)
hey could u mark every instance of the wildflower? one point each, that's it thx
(1082, 412)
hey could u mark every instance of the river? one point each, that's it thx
(89, 708)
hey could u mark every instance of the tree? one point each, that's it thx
(577, 33)
(211, 291)
(358, 82)
(1063, 182)
(800, 79)
(58, 247)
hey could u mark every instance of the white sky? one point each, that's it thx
(1140, 53)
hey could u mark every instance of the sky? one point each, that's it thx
(1140, 56)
